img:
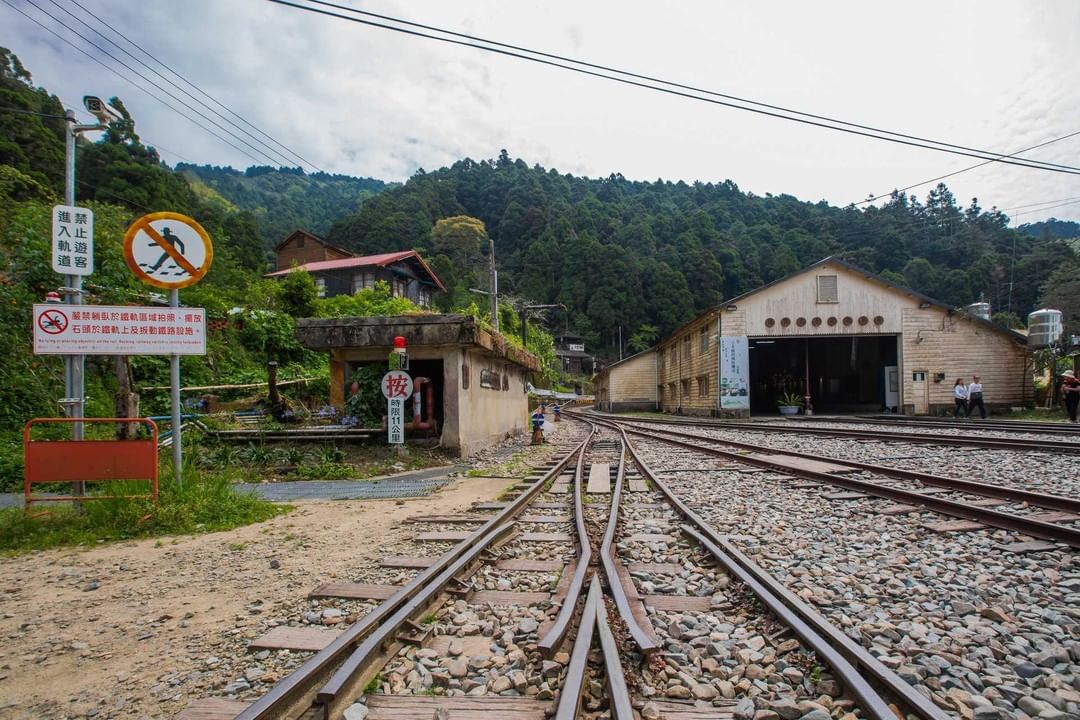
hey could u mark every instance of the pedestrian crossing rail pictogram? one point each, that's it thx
(168, 250)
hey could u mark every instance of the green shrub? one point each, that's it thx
(205, 503)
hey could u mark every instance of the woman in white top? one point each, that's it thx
(975, 397)
(960, 393)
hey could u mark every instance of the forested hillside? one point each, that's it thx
(284, 199)
(644, 255)
(1063, 229)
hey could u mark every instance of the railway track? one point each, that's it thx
(681, 603)
(1021, 426)
(811, 426)
(977, 505)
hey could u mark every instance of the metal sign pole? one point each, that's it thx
(73, 364)
(174, 372)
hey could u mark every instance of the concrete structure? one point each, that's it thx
(339, 272)
(628, 385)
(849, 339)
(479, 380)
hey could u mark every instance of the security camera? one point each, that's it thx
(96, 107)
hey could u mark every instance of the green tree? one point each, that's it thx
(298, 294)
(643, 338)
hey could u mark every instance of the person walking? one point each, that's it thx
(1070, 390)
(975, 397)
(960, 395)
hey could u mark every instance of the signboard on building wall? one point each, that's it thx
(734, 373)
(118, 330)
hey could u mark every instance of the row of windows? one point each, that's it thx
(703, 347)
(827, 292)
(367, 280)
(684, 385)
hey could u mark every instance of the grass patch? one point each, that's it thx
(205, 503)
(1054, 414)
(519, 465)
(373, 685)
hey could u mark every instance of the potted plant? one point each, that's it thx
(790, 403)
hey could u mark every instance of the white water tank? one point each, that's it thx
(1044, 327)
(979, 309)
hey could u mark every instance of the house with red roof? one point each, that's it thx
(339, 272)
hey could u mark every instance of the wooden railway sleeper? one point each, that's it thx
(460, 588)
(419, 634)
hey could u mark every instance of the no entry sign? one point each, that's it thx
(118, 330)
(168, 250)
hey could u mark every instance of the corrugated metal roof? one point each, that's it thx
(381, 260)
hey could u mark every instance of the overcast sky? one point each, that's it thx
(353, 99)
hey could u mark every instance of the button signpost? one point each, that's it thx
(396, 386)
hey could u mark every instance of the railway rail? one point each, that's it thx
(333, 679)
(810, 426)
(1057, 527)
(1021, 426)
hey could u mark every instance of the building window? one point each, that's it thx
(363, 281)
(685, 388)
(320, 286)
(704, 340)
(400, 287)
(703, 386)
(300, 242)
(425, 297)
(686, 347)
(827, 291)
(671, 391)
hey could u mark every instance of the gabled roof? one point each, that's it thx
(851, 267)
(364, 261)
(923, 299)
(314, 237)
(653, 350)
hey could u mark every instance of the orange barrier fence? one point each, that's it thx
(74, 461)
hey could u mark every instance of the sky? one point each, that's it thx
(359, 100)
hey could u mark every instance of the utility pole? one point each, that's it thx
(523, 314)
(74, 365)
(74, 394)
(494, 292)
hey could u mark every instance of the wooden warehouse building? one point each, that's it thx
(842, 337)
(628, 385)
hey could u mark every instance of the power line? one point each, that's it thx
(647, 77)
(186, 81)
(957, 172)
(180, 100)
(145, 140)
(128, 80)
(151, 82)
(1044, 202)
(1074, 202)
(773, 111)
(8, 108)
